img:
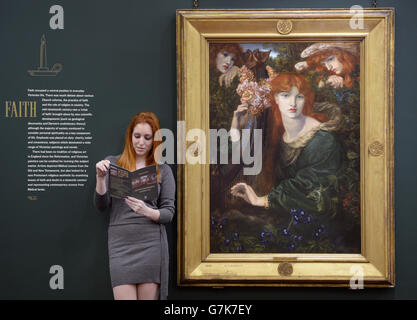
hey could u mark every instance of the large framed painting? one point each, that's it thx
(288, 131)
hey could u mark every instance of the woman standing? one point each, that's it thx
(137, 240)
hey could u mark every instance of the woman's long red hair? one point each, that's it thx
(275, 127)
(347, 59)
(233, 48)
(128, 158)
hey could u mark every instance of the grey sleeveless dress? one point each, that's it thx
(138, 246)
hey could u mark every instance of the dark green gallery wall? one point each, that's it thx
(124, 53)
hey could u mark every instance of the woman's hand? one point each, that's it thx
(242, 108)
(140, 207)
(242, 190)
(335, 81)
(229, 76)
(301, 66)
(238, 121)
(102, 167)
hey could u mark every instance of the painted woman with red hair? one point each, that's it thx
(225, 61)
(302, 155)
(137, 240)
(337, 64)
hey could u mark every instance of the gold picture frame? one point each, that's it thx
(196, 265)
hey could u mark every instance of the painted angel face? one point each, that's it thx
(142, 139)
(224, 61)
(290, 103)
(333, 64)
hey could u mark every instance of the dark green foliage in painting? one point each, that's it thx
(223, 101)
(349, 136)
(287, 57)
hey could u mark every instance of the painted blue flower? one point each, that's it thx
(235, 236)
(262, 234)
(308, 219)
(298, 215)
(227, 242)
(297, 237)
(285, 232)
(269, 233)
(320, 229)
(316, 235)
(295, 220)
(239, 248)
(292, 246)
(294, 212)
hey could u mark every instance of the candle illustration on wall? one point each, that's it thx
(43, 69)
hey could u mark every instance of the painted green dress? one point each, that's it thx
(307, 199)
(311, 166)
(306, 211)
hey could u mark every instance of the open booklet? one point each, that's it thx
(140, 184)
